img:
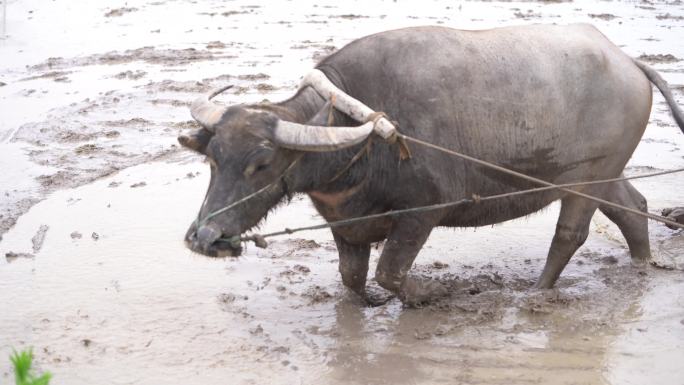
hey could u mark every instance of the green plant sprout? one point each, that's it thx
(22, 369)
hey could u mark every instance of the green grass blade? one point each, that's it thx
(22, 369)
(42, 380)
(22, 365)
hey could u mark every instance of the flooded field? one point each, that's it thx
(96, 197)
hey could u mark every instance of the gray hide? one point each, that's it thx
(560, 103)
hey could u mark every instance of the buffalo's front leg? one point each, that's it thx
(353, 264)
(403, 244)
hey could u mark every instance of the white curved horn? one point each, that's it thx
(206, 112)
(345, 103)
(303, 137)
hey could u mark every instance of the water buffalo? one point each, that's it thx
(560, 103)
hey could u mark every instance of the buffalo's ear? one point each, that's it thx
(324, 117)
(196, 141)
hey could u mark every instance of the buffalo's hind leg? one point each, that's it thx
(633, 227)
(572, 230)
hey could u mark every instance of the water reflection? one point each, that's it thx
(364, 352)
(568, 339)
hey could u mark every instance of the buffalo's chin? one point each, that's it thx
(225, 249)
(218, 249)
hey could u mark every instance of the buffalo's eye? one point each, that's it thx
(259, 159)
(256, 167)
(261, 163)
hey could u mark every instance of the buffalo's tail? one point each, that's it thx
(664, 88)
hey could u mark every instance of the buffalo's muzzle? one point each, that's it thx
(208, 240)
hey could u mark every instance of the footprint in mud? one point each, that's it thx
(295, 273)
(12, 256)
(235, 304)
(317, 294)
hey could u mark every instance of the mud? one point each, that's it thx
(39, 238)
(150, 55)
(146, 303)
(96, 197)
(602, 16)
(119, 12)
(659, 58)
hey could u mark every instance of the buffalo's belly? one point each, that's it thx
(361, 232)
(497, 211)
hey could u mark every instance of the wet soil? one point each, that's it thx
(96, 197)
(141, 301)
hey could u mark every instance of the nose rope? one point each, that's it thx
(250, 196)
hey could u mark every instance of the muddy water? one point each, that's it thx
(111, 296)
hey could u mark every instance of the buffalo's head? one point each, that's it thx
(249, 148)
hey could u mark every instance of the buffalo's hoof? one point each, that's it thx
(376, 296)
(641, 263)
(415, 292)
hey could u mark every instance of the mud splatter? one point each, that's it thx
(602, 16)
(669, 16)
(150, 55)
(12, 256)
(130, 75)
(39, 238)
(119, 12)
(659, 58)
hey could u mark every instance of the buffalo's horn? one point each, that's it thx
(304, 137)
(346, 103)
(206, 112)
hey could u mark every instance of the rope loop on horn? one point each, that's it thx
(404, 150)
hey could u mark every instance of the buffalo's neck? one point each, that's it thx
(330, 172)
(323, 172)
(331, 176)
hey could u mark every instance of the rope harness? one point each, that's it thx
(404, 153)
(259, 239)
(280, 179)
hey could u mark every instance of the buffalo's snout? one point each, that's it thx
(208, 234)
(208, 240)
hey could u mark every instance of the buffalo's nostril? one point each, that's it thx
(208, 234)
(191, 234)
